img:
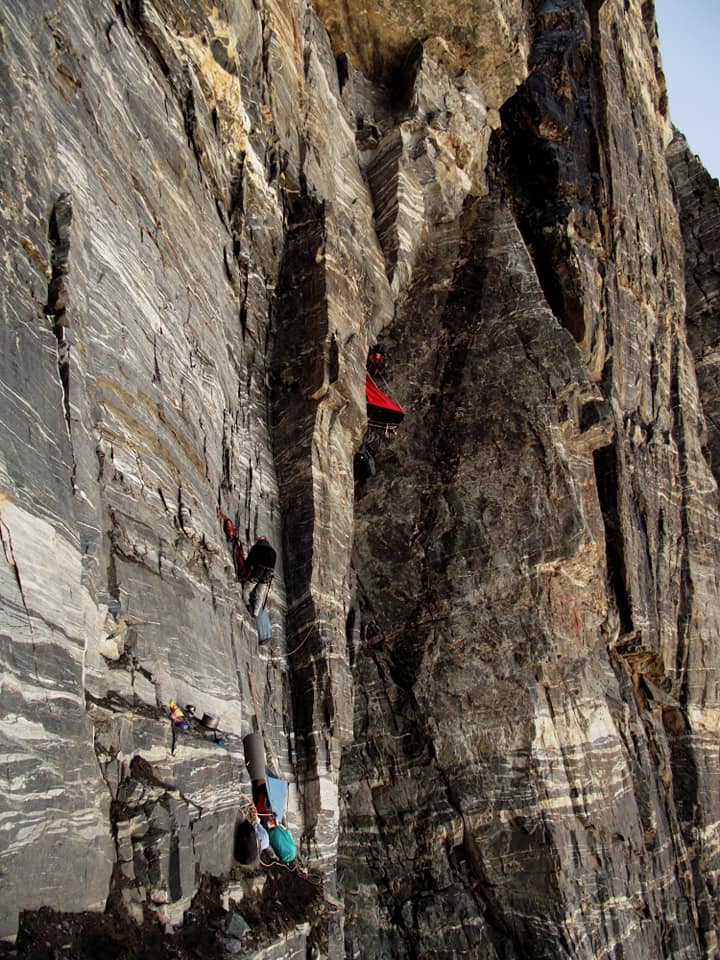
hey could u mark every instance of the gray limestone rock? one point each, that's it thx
(237, 926)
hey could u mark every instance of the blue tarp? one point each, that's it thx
(277, 794)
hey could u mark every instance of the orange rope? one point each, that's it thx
(294, 868)
(284, 656)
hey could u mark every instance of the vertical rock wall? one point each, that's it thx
(145, 236)
(699, 205)
(493, 678)
(537, 562)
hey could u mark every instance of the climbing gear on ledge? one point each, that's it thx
(187, 721)
(210, 723)
(178, 717)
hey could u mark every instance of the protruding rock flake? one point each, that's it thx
(486, 665)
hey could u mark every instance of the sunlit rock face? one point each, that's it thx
(698, 197)
(492, 680)
(487, 38)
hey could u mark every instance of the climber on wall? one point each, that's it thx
(259, 569)
(383, 415)
(251, 837)
(260, 562)
(376, 360)
(271, 810)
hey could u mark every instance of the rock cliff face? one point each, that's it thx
(493, 678)
(698, 201)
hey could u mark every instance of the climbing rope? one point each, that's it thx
(248, 808)
(284, 656)
(294, 867)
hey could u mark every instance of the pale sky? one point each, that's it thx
(690, 49)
